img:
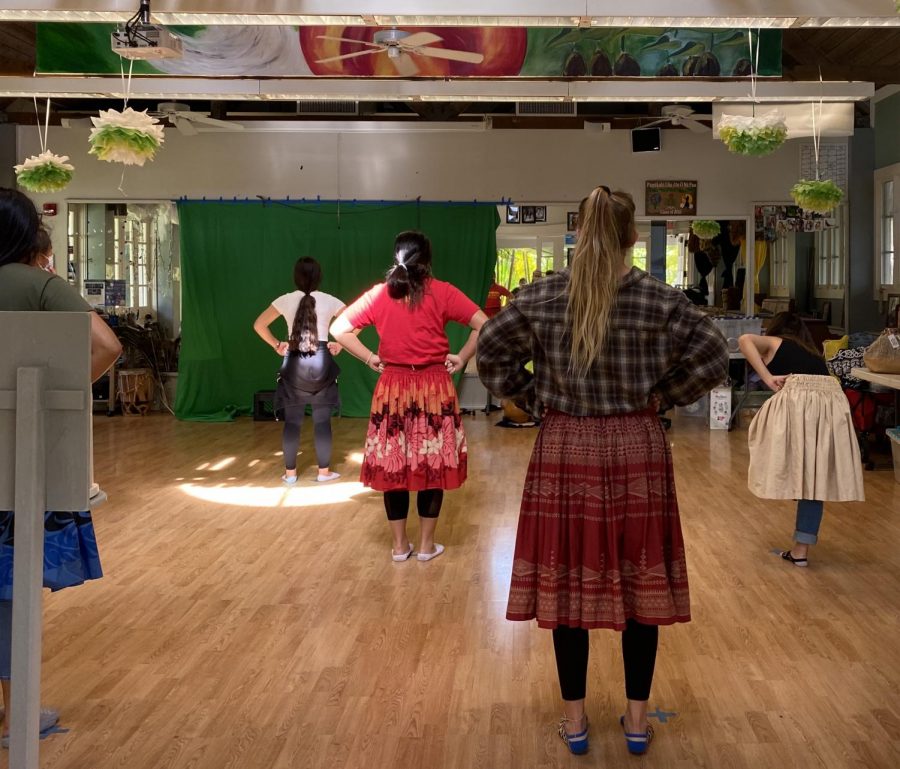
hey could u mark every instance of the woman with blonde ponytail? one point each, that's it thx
(599, 540)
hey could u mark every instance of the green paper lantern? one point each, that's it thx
(817, 196)
(127, 137)
(705, 229)
(44, 173)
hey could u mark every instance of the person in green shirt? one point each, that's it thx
(70, 546)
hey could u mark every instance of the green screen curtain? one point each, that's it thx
(238, 257)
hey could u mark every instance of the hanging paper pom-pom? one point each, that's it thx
(45, 172)
(817, 196)
(127, 137)
(705, 229)
(756, 136)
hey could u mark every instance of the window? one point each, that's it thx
(675, 258)
(676, 274)
(780, 271)
(639, 255)
(515, 262)
(120, 242)
(830, 247)
(886, 263)
(887, 205)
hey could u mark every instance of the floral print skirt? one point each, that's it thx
(415, 439)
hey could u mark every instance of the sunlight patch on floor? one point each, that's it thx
(223, 463)
(277, 495)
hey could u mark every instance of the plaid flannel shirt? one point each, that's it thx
(657, 343)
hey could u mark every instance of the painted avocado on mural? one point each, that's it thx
(272, 51)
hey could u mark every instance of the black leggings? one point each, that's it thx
(290, 438)
(428, 504)
(638, 653)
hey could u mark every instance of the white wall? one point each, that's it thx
(538, 166)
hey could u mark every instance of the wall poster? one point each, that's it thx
(671, 198)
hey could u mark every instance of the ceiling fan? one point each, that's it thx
(679, 115)
(401, 46)
(183, 119)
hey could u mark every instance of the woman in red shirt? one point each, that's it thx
(415, 440)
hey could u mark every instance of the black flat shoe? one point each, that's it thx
(788, 556)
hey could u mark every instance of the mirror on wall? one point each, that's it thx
(801, 261)
(711, 271)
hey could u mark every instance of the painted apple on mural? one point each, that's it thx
(503, 49)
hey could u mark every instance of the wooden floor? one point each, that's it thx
(241, 624)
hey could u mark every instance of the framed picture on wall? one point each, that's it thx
(671, 198)
(512, 214)
(571, 221)
(528, 215)
(540, 213)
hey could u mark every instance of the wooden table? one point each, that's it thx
(885, 380)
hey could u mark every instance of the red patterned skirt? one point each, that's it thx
(415, 439)
(599, 538)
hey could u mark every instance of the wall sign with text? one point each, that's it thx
(671, 198)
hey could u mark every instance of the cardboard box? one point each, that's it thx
(720, 408)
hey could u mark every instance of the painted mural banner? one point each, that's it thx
(671, 198)
(445, 52)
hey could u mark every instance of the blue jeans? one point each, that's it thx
(809, 518)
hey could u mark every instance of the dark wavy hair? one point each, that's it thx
(790, 326)
(409, 276)
(19, 225)
(305, 334)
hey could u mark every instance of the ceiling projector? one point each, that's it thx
(145, 41)
(138, 38)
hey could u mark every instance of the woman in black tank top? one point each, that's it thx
(785, 462)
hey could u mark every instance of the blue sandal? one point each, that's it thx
(578, 743)
(637, 743)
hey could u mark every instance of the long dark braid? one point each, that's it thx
(305, 334)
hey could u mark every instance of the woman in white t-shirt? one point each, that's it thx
(308, 375)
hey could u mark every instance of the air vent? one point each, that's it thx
(545, 108)
(323, 107)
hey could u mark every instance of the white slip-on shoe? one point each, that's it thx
(438, 549)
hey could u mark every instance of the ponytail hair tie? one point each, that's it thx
(401, 264)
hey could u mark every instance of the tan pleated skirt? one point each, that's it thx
(803, 445)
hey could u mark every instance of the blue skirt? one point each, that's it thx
(70, 551)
